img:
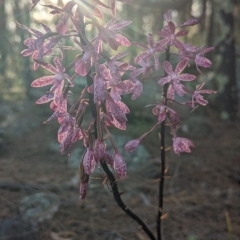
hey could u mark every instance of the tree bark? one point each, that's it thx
(224, 60)
(3, 38)
(22, 15)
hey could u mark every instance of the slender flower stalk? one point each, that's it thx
(162, 170)
(117, 163)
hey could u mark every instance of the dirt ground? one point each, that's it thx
(202, 192)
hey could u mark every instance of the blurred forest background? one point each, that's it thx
(31, 164)
(219, 27)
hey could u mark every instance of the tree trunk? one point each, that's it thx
(3, 38)
(224, 60)
(22, 15)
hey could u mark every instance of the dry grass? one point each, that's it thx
(201, 194)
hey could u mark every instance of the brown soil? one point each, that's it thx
(201, 200)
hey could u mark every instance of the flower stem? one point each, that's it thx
(162, 170)
(122, 205)
(111, 178)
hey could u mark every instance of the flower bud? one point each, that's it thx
(99, 150)
(108, 158)
(89, 161)
(132, 145)
(83, 190)
(119, 166)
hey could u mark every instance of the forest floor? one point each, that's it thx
(201, 199)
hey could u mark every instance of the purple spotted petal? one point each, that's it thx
(206, 50)
(58, 64)
(120, 25)
(178, 88)
(186, 77)
(181, 66)
(182, 33)
(170, 92)
(164, 80)
(168, 67)
(191, 22)
(203, 62)
(46, 98)
(43, 81)
(121, 40)
(141, 57)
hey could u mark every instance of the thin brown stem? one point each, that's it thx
(162, 171)
(121, 204)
